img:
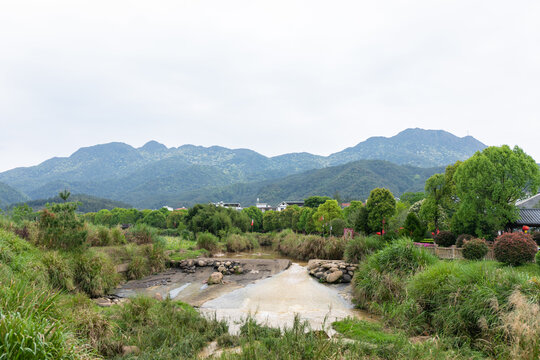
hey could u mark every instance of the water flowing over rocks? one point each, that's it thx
(331, 271)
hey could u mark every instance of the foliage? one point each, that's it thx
(445, 238)
(337, 227)
(255, 214)
(156, 219)
(175, 219)
(380, 206)
(537, 257)
(536, 237)
(141, 234)
(410, 198)
(380, 278)
(325, 213)
(315, 201)
(94, 273)
(467, 301)
(241, 242)
(488, 185)
(305, 221)
(359, 247)
(60, 227)
(475, 249)
(413, 227)
(462, 239)
(207, 241)
(59, 271)
(305, 247)
(515, 248)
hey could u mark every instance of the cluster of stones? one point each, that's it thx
(228, 267)
(190, 265)
(110, 300)
(224, 267)
(331, 271)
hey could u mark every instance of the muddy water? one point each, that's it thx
(276, 300)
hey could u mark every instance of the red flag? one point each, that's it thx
(251, 222)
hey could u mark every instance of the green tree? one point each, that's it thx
(270, 220)
(156, 219)
(60, 227)
(432, 207)
(350, 213)
(325, 213)
(488, 184)
(410, 198)
(380, 205)
(314, 201)
(413, 227)
(256, 214)
(175, 218)
(22, 212)
(305, 221)
(64, 195)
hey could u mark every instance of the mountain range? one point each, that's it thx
(154, 175)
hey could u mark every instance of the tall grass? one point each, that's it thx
(359, 247)
(241, 242)
(94, 273)
(305, 247)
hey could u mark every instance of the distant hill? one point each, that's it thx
(9, 195)
(353, 181)
(417, 147)
(88, 203)
(155, 173)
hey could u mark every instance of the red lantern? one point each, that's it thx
(525, 228)
(432, 233)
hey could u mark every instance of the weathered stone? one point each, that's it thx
(215, 278)
(158, 296)
(333, 277)
(201, 263)
(221, 268)
(328, 265)
(351, 273)
(189, 263)
(346, 278)
(319, 275)
(217, 263)
(103, 302)
(334, 269)
(130, 350)
(238, 270)
(228, 263)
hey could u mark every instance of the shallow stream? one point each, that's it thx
(275, 301)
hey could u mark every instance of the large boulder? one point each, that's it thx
(215, 278)
(333, 277)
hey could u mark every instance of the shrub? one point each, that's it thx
(475, 249)
(207, 241)
(381, 277)
(237, 242)
(536, 237)
(155, 255)
(461, 239)
(413, 227)
(515, 248)
(359, 247)
(142, 234)
(118, 236)
(58, 270)
(60, 227)
(94, 273)
(538, 258)
(338, 225)
(465, 302)
(137, 268)
(445, 238)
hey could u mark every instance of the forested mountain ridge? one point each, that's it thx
(9, 195)
(352, 181)
(154, 172)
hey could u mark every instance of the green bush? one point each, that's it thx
(305, 247)
(538, 258)
(207, 241)
(137, 268)
(515, 248)
(359, 247)
(414, 227)
(381, 277)
(117, 235)
(241, 242)
(461, 239)
(58, 270)
(60, 227)
(338, 225)
(445, 238)
(469, 303)
(94, 273)
(142, 234)
(475, 249)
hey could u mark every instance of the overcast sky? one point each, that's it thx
(274, 76)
